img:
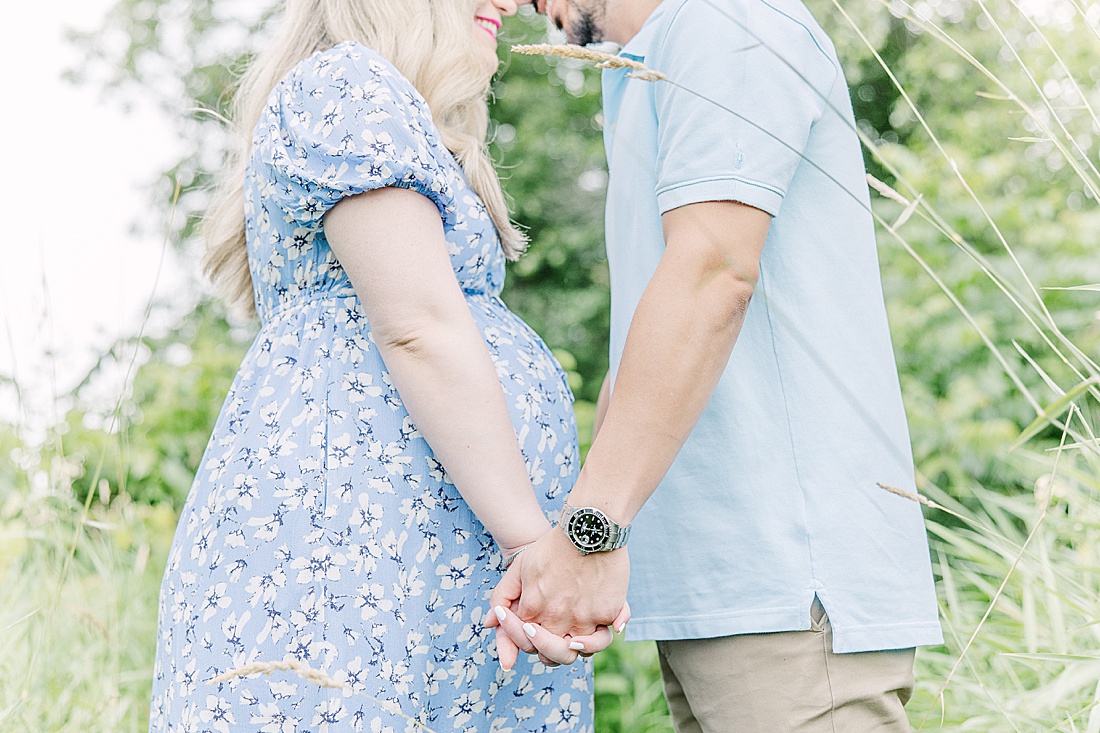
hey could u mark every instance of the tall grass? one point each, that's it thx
(76, 649)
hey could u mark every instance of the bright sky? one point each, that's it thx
(73, 276)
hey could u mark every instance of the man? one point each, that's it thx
(754, 410)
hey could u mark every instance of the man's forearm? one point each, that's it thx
(676, 350)
(601, 405)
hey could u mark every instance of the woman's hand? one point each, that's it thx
(552, 596)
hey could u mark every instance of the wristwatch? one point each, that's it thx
(590, 530)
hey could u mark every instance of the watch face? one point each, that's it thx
(589, 529)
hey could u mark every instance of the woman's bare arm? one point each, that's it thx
(391, 243)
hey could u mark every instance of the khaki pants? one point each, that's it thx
(789, 682)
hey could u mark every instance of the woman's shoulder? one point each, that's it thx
(349, 65)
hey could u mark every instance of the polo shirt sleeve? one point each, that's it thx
(746, 83)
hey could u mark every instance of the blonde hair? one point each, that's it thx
(430, 42)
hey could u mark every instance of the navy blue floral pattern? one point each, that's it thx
(320, 527)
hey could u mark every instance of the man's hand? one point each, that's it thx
(559, 603)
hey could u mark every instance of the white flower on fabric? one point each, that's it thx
(397, 675)
(186, 678)
(408, 585)
(432, 677)
(378, 144)
(321, 565)
(341, 451)
(218, 713)
(282, 689)
(565, 715)
(455, 575)
(367, 518)
(272, 719)
(331, 117)
(536, 471)
(189, 719)
(233, 628)
(465, 706)
(413, 645)
(214, 599)
(370, 598)
(328, 713)
(377, 726)
(360, 386)
(534, 366)
(565, 461)
(300, 116)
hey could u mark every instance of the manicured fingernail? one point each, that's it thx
(621, 627)
(499, 611)
(530, 630)
(576, 646)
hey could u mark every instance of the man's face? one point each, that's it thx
(582, 20)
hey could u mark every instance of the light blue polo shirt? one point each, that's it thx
(775, 497)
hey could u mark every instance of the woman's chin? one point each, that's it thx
(492, 62)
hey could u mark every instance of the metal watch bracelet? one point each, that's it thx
(590, 530)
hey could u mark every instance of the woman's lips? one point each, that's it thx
(489, 25)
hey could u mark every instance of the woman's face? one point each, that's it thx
(487, 20)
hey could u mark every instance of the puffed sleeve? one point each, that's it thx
(345, 122)
(749, 81)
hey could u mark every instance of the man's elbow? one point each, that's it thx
(730, 291)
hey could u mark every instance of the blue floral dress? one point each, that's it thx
(321, 527)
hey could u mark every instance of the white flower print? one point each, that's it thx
(328, 713)
(322, 564)
(331, 116)
(218, 713)
(456, 574)
(359, 387)
(465, 706)
(273, 719)
(321, 527)
(563, 716)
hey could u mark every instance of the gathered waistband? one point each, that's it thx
(317, 296)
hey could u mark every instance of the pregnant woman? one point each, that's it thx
(395, 433)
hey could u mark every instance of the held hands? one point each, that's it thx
(557, 603)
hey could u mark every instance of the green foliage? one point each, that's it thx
(964, 408)
(629, 694)
(548, 142)
(149, 445)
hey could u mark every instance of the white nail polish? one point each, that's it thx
(530, 630)
(576, 646)
(620, 629)
(499, 611)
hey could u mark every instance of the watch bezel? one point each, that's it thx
(572, 529)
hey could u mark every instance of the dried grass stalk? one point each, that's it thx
(911, 496)
(601, 59)
(886, 191)
(314, 676)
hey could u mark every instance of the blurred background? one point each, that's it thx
(980, 129)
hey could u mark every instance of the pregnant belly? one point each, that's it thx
(319, 358)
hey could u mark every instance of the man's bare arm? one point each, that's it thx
(677, 348)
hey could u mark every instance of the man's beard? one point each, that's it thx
(585, 29)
